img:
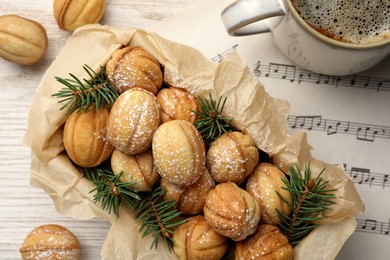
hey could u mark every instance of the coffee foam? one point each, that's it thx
(355, 21)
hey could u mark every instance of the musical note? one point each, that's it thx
(307, 122)
(366, 134)
(289, 72)
(273, 68)
(362, 174)
(338, 79)
(369, 224)
(378, 87)
(220, 56)
(299, 75)
(385, 180)
(332, 128)
(303, 77)
(300, 78)
(373, 226)
(387, 228)
(325, 77)
(281, 70)
(346, 129)
(385, 132)
(371, 180)
(353, 80)
(382, 84)
(367, 82)
(366, 176)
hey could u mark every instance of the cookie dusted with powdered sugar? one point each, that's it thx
(264, 184)
(190, 200)
(268, 242)
(134, 67)
(179, 152)
(50, 242)
(231, 211)
(177, 103)
(232, 157)
(195, 240)
(133, 119)
(138, 169)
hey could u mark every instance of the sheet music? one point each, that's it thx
(347, 118)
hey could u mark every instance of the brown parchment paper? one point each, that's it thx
(255, 112)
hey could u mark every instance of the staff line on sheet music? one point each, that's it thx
(365, 176)
(362, 132)
(293, 73)
(373, 226)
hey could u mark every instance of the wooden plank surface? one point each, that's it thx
(23, 207)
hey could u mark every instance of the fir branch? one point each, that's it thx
(310, 197)
(79, 95)
(110, 191)
(157, 217)
(210, 122)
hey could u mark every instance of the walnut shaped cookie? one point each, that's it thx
(190, 200)
(267, 243)
(132, 67)
(133, 119)
(232, 157)
(85, 137)
(177, 103)
(263, 184)
(231, 211)
(196, 240)
(50, 241)
(179, 152)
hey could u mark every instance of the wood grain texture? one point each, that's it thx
(23, 207)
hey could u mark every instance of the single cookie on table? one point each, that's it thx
(195, 239)
(177, 103)
(190, 200)
(232, 157)
(133, 119)
(22, 40)
(267, 243)
(50, 242)
(231, 211)
(137, 168)
(179, 152)
(263, 184)
(71, 15)
(85, 137)
(134, 67)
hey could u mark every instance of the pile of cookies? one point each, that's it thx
(226, 190)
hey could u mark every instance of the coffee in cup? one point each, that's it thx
(353, 21)
(304, 31)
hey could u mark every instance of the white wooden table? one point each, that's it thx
(23, 207)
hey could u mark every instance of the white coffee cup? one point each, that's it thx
(305, 46)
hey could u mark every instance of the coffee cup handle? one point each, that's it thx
(246, 17)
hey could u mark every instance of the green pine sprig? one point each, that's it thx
(79, 95)
(157, 217)
(310, 197)
(110, 191)
(210, 122)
